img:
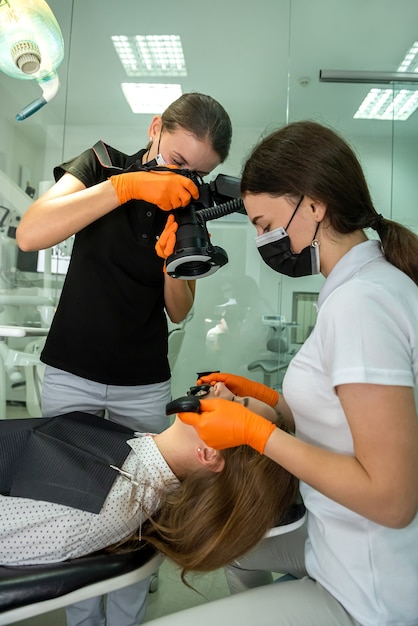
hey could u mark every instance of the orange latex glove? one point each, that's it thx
(243, 387)
(224, 424)
(167, 190)
(167, 240)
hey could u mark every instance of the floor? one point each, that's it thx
(171, 596)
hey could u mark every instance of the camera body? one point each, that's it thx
(194, 255)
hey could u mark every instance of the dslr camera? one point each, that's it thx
(194, 255)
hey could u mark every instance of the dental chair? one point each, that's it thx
(33, 378)
(27, 591)
(276, 364)
(176, 337)
(175, 341)
(27, 360)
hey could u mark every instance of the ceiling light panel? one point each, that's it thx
(410, 62)
(150, 55)
(150, 97)
(385, 104)
(392, 104)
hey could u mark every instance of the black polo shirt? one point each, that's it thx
(110, 325)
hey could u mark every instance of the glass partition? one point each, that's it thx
(30, 282)
(246, 319)
(404, 166)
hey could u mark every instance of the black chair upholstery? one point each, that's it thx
(24, 585)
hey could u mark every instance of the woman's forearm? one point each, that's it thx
(179, 297)
(342, 478)
(64, 210)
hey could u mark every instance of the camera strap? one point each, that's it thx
(102, 155)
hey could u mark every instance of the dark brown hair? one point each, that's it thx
(204, 117)
(306, 158)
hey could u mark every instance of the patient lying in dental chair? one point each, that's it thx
(196, 504)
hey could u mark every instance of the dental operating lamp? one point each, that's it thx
(31, 47)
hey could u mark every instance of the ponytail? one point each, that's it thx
(400, 245)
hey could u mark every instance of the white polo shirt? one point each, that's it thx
(366, 332)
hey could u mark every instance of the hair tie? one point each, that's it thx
(377, 222)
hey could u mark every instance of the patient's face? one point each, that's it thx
(220, 390)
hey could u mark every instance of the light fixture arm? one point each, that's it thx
(353, 76)
(49, 85)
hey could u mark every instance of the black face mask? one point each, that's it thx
(275, 250)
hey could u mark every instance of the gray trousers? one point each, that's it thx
(138, 407)
(124, 607)
(301, 602)
(141, 408)
(283, 554)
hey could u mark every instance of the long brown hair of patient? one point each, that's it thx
(213, 518)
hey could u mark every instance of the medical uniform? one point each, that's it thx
(108, 342)
(358, 572)
(366, 332)
(110, 325)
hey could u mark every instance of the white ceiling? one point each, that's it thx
(250, 55)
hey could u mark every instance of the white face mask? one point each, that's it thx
(159, 159)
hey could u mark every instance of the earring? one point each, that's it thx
(199, 450)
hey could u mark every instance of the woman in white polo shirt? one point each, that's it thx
(350, 393)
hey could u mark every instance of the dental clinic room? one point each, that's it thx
(209, 313)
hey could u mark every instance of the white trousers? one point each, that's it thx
(301, 602)
(283, 554)
(295, 603)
